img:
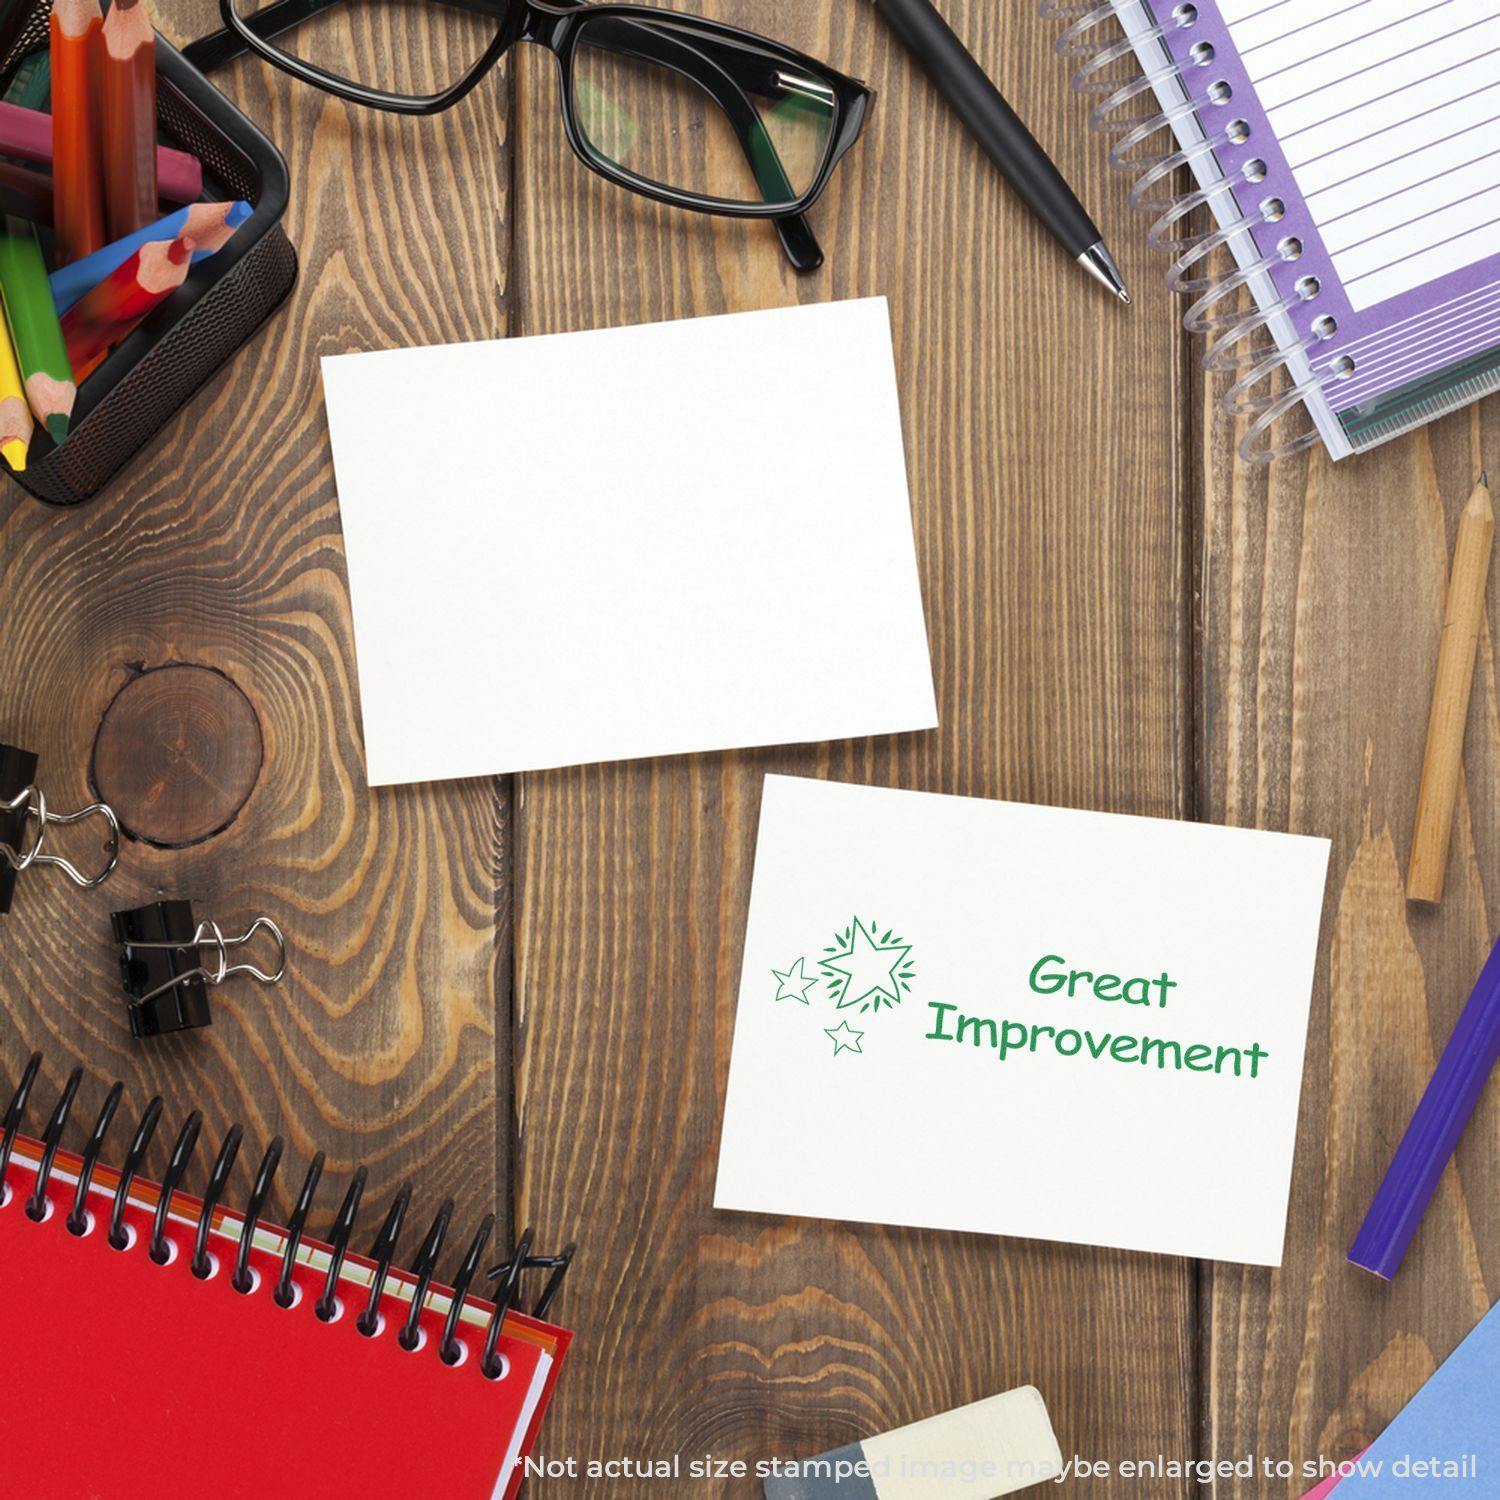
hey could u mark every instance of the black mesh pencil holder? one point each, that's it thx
(165, 362)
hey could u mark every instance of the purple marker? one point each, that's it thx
(1430, 1139)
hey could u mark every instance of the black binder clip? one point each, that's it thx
(161, 958)
(25, 820)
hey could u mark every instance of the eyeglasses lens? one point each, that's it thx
(675, 107)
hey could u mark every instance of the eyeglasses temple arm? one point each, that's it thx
(798, 241)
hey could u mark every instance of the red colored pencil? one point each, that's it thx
(79, 181)
(98, 321)
(129, 118)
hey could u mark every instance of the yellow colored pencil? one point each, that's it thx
(15, 415)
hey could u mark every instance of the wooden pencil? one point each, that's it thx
(98, 321)
(1463, 619)
(128, 87)
(16, 425)
(35, 331)
(78, 215)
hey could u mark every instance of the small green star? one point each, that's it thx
(794, 984)
(845, 1038)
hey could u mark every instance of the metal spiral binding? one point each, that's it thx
(1121, 114)
(451, 1351)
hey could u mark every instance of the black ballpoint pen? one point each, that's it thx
(998, 129)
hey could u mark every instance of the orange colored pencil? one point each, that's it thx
(99, 320)
(77, 173)
(129, 90)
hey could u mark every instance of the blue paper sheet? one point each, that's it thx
(1451, 1421)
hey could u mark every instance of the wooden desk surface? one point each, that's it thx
(520, 992)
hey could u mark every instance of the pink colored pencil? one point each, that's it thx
(26, 135)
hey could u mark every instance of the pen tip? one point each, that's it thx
(1484, 478)
(1098, 262)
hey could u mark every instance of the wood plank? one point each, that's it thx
(1323, 590)
(1049, 496)
(222, 550)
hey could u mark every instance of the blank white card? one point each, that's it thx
(639, 541)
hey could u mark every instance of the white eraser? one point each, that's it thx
(980, 1452)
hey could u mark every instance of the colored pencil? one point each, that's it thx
(208, 224)
(31, 85)
(26, 134)
(129, 118)
(34, 329)
(97, 322)
(76, 168)
(16, 425)
(1433, 1135)
(1463, 619)
(25, 193)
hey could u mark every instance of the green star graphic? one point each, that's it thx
(866, 971)
(794, 984)
(845, 1038)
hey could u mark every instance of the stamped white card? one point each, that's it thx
(1017, 1020)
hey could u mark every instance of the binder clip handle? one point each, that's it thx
(30, 804)
(208, 934)
(222, 969)
(167, 972)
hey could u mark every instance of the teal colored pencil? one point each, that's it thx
(32, 85)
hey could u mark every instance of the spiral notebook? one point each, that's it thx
(132, 1376)
(1349, 152)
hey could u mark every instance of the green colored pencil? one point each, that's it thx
(34, 328)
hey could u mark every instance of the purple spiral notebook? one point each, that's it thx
(1348, 152)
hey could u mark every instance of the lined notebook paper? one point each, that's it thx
(1389, 113)
(1350, 152)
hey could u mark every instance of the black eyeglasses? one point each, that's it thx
(679, 109)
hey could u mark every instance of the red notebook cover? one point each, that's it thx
(128, 1379)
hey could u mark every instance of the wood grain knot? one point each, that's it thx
(178, 752)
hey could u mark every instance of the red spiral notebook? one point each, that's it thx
(126, 1378)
